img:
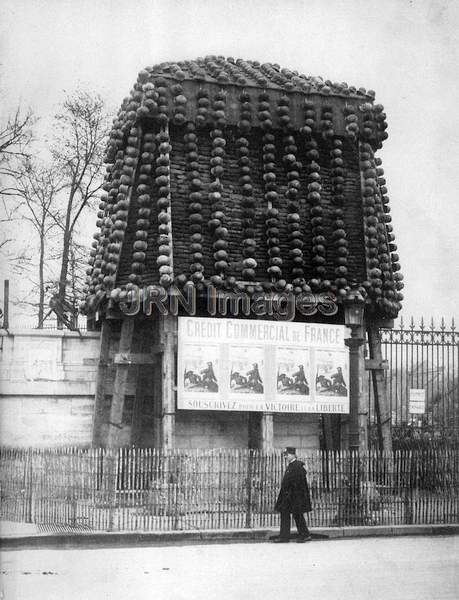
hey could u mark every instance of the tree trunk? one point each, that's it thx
(72, 260)
(41, 283)
(65, 259)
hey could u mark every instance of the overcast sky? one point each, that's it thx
(405, 50)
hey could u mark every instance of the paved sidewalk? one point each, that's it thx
(395, 568)
(18, 535)
(12, 529)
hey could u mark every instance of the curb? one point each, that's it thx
(128, 538)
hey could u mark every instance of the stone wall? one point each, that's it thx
(300, 430)
(206, 429)
(47, 386)
(47, 383)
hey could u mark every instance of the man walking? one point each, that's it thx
(293, 499)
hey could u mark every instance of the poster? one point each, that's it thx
(200, 368)
(293, 371)
(331, 374)
(247, 370)
(258, 365)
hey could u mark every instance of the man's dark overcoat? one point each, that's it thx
(294, 493)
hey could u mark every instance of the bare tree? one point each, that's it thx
(15, 140)
(82, 130)
(38, 189)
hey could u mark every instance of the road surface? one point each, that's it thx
(417, 568)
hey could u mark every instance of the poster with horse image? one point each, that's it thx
(200, 368)
(246, 369)
(332, 374)
(261, 365)
(293, 376)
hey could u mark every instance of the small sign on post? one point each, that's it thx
(417, 401)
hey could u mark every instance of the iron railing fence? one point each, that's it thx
(80, 324)
(150, 489)
(425, 358)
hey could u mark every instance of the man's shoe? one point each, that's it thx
(301, 540)
(280, 541)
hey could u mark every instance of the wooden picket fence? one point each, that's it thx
(148, 489)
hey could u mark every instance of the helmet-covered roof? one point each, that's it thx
(245, 176)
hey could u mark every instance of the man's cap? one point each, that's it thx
(290, 450)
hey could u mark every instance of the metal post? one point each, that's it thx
(381, 400)
(356, 436)
(6, 303)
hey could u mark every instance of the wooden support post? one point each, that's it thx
(99, 400)
(344, 432)
(136, 423)
(144, 361)
(382, 404)
(119, 386)
(260, 429)
(253, 430)
(327, 432)
(267, 432)
(137, 420)
(168, 338)
(157, 407)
